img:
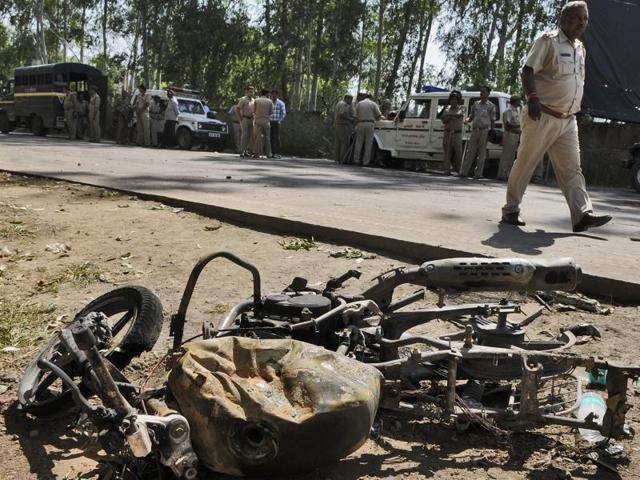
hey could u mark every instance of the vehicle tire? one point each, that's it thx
(37, 126)
(184, 138)
(135, 331)
(635, 174)
(384, 158)
(5, 124)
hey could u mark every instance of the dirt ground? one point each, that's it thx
(115, 240)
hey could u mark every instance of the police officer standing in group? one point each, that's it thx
(263, 108)
(510, 137)
(244, 112)
(170, 120)
(482, 118)
(70, 111)
(94, 115)
(141, 107)
(367, 112)
(553, 79)
(344, 119)
(452, 118)
(123, 112)
(237, 130)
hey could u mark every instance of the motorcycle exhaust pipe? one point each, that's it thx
(513, 274)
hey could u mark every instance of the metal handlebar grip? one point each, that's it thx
(502, 274)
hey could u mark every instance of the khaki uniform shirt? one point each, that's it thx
(246, 107)
(263, 108)
(142, 104)
(511, 116)
(483, 114)
(345, 113)
(71, 102)
(558, 67)
(453, 118)
(367, 111)
(94, 105)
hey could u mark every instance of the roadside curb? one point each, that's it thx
(413, 252)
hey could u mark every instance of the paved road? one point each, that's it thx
(409, 214)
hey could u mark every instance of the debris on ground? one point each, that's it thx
(298, 243)
(58, 248)
(349, 252)
(566, 302)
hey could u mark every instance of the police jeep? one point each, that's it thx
(194, 125)
(416, 133)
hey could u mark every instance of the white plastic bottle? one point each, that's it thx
(591, 402)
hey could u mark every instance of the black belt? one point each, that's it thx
(453, 131)
(366, 121)
(478, 128)
(244, 116)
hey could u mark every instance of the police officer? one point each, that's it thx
(263, 108)
(70, 111)
(482, 118)
(344, 120)
(553, 79)
(452, 118)
(156, 116)
(510, 137)
(94, 115)
(244, 112)
(170, 120)
(141, 107)
(123, 112)
(367, 112)
(237, 130)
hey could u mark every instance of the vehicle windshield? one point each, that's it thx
(190, 106)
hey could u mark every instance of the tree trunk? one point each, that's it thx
(145, 45)
(423, 52)
(316, 57)
(361, 58)
(104, 35)
(82, 23)
(379, 49)
(414, 60)
(402, 40)
(309, 50)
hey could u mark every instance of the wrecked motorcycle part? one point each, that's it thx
(266, 407)
(179, 318)
(504, 274)
(133, 326)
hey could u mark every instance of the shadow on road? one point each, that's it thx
(519, 241)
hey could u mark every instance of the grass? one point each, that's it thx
(15, 229)
(21, 324)
(79, 274)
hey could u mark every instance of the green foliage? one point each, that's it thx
(310, 50)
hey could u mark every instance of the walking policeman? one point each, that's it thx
(70, 111)
(345, 118)
(367, 112)
(553, 79)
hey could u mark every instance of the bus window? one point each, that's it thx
(33, 80)
(48, 79)
(61, 78)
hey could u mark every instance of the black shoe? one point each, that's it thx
(513, 219)
(589, 220)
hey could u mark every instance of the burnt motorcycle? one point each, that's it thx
(290, 381)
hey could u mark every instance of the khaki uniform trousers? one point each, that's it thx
(364, 137)
(237, 136)
(477, 146)
(342, 141)
(559, 138)
(72, 123)
(247, 134)
(509, 147)
(144, 132)
(452, 144)
(94, 126)
(262, 132)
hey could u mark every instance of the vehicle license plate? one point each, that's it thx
(214, 135)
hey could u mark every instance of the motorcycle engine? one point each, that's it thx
(292, 308)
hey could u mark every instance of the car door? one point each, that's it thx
(414, 129)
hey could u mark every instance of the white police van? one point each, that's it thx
(416, 132)
(194, 126)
